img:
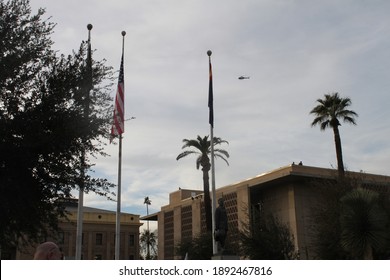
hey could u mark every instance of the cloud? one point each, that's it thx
(293, 51)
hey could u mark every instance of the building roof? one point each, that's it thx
(150, 217)
(282, 173)
(92, 214)
(299, 170)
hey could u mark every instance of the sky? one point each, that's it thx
(293, 51)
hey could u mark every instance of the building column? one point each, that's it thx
(177, 224)
(161, 236)
(196, 217)
(243, 206)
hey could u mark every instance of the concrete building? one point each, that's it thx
(287, 192)
(98, 240)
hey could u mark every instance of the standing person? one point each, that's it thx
(48, 251)
(221, 223)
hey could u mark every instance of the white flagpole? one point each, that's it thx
(80, 205)
(214, 204)
(118, 208)
(79, 234)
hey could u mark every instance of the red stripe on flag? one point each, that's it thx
(119, 110)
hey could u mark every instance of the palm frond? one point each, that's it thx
(332, 108)
(202, 148)
(219, 141)
(221, 157)
(186, 153)
(223, 152)
(363, 222)
(191, 143)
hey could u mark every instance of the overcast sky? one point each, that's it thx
(293, 51)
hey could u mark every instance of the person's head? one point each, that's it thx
(220, 202)
(48, 251)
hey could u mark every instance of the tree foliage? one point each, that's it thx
(148, 244)
(266, 238)
(197, 248)
(350, 221)
(364, 224)
(50, 124)
(326, 230)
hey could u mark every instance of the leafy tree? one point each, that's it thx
(202, 148)
(148, 241)
(197, 248)
(328, 113)
(50, 124)
(266, 238)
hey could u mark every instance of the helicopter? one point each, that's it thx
(243, 77)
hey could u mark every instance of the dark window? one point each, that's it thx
(131, 240)
(99, 239)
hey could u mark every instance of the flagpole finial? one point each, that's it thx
(123, 33)
(89, 26)
(209, 53)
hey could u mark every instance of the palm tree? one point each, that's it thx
(363, 223)
(148, 241)
(328, 112)
(202, 148)
(148, 202)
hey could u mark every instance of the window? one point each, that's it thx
(131, 240)
(99, 239)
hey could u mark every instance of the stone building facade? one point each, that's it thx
(98, 239)
(288, 193)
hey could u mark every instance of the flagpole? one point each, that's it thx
(118, 208)
(211, 121)
(80, 205)
(79, 234)
(214, 204)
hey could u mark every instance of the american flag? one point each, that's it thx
(119, 110)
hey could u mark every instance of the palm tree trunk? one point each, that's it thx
(207, 200)
(339, 153)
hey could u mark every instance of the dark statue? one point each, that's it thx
(221, 224)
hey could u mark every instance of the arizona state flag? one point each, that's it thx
(211, 109)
